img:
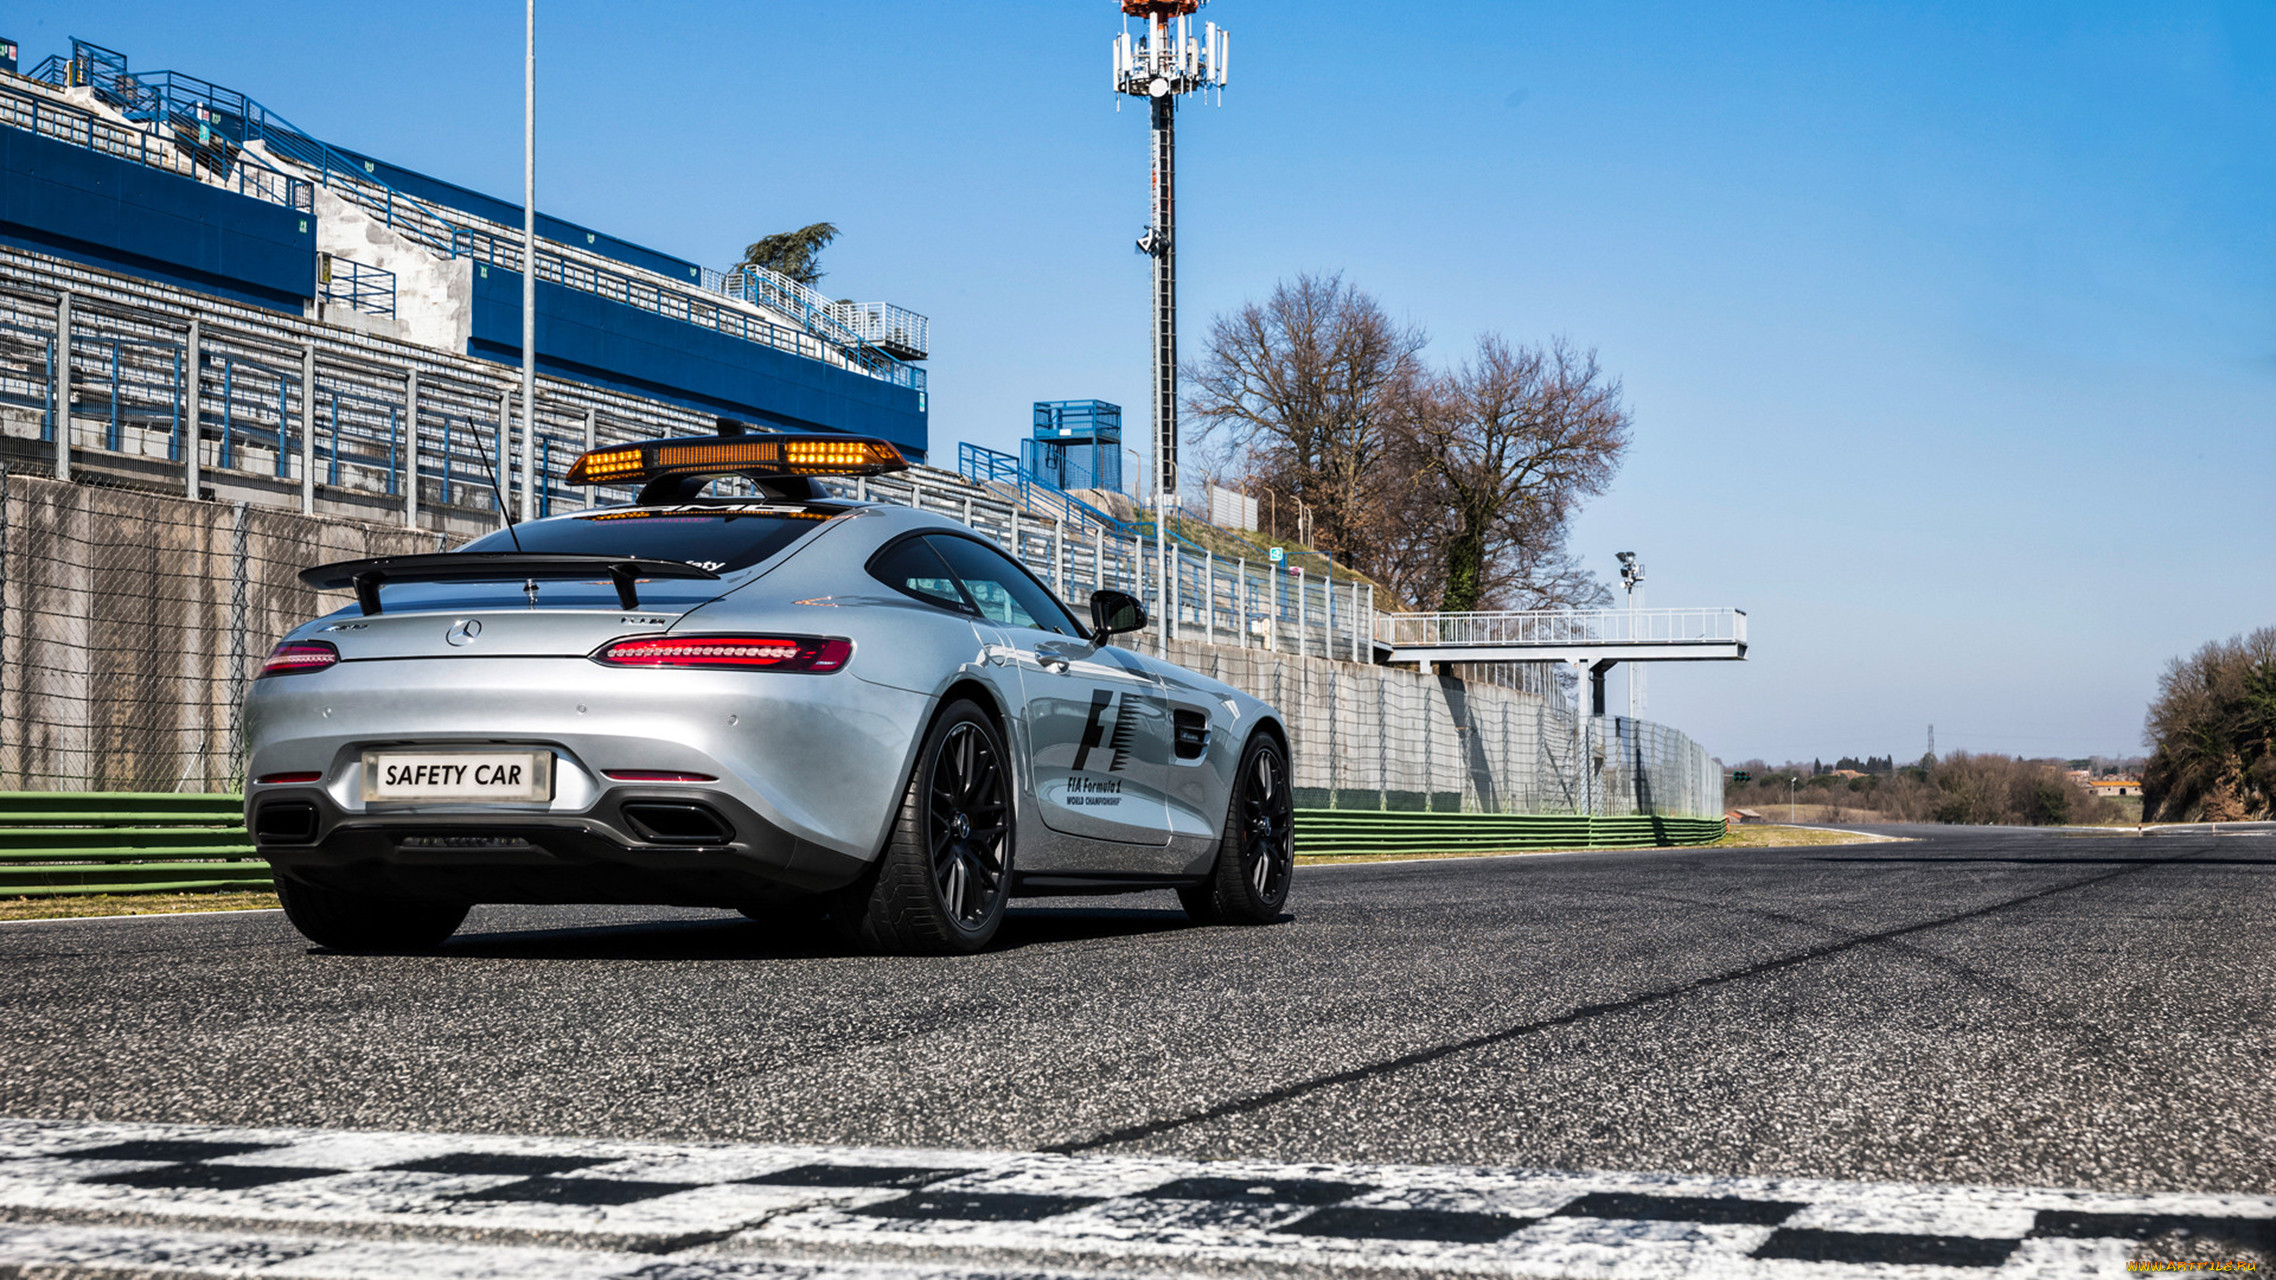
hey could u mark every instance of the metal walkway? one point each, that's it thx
(1597, 638)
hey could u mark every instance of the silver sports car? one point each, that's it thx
(779, 702)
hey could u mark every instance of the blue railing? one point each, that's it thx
(368, 289)
(983, 465)
(79, 128)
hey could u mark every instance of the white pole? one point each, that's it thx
(592, 428)
(308, 429)
(411, 449)
(193, 356)
(61, 416)
(1241, 601)
(529, 262)
(1209, 596)
(1300, 614)
(503, 455)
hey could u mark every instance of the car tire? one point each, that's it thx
(365, 922)
(942, 882)
(1256, 856)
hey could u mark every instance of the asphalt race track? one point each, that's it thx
(1982, 1007)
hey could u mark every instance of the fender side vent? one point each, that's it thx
(1192, 735)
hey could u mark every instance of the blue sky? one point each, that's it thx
(1947, 327)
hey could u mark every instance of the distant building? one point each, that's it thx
(2116, 786)
(1742, 816)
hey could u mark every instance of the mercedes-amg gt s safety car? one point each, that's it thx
(781, 702)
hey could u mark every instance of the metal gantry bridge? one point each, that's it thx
(1597, 639)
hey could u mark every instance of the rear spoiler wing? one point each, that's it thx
(365, 577)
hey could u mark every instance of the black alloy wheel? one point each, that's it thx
(1256, 856)
(941, 884)
(966, 824)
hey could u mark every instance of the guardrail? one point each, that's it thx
(1322, 833)
(1554, 627)
(71, 842)
(895, 330)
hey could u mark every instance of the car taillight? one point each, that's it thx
(295, 656)
(814, 654)
(280, 779)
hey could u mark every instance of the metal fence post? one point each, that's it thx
(503, 456)
(194, 390)
(307, 429)
(411, 448)
(237, 623)
(1059, 555)
(5, 516)
(1430, 735)
(63, 385)
(1382, 742)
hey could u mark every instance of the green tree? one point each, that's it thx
(797, 254)
(2212, 733)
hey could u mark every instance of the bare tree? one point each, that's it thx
(1308, 383)
(1512, 441)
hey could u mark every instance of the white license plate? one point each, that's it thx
(514, 777)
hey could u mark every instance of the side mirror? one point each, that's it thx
(1114, 612)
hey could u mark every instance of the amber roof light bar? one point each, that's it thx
(757, 457)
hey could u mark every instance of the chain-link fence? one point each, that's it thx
(132, 623)
(1386, 738)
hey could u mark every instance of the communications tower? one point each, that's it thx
(1162, 63)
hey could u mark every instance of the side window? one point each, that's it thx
(912, 568)
(1006, 593)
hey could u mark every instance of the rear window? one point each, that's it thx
(721, 541)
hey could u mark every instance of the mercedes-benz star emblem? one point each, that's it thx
(465, 631)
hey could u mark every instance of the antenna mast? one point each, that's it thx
(1168, 60)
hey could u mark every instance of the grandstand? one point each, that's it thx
(269, 317)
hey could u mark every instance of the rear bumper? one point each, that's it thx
(602, 854)
(809, 771)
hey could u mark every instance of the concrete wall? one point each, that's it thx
(434, 295)
(132, 622)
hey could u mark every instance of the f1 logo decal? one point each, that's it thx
(1095, 732)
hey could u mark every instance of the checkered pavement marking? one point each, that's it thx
(720, 1205)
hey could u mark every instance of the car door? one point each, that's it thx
(1098, 726)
